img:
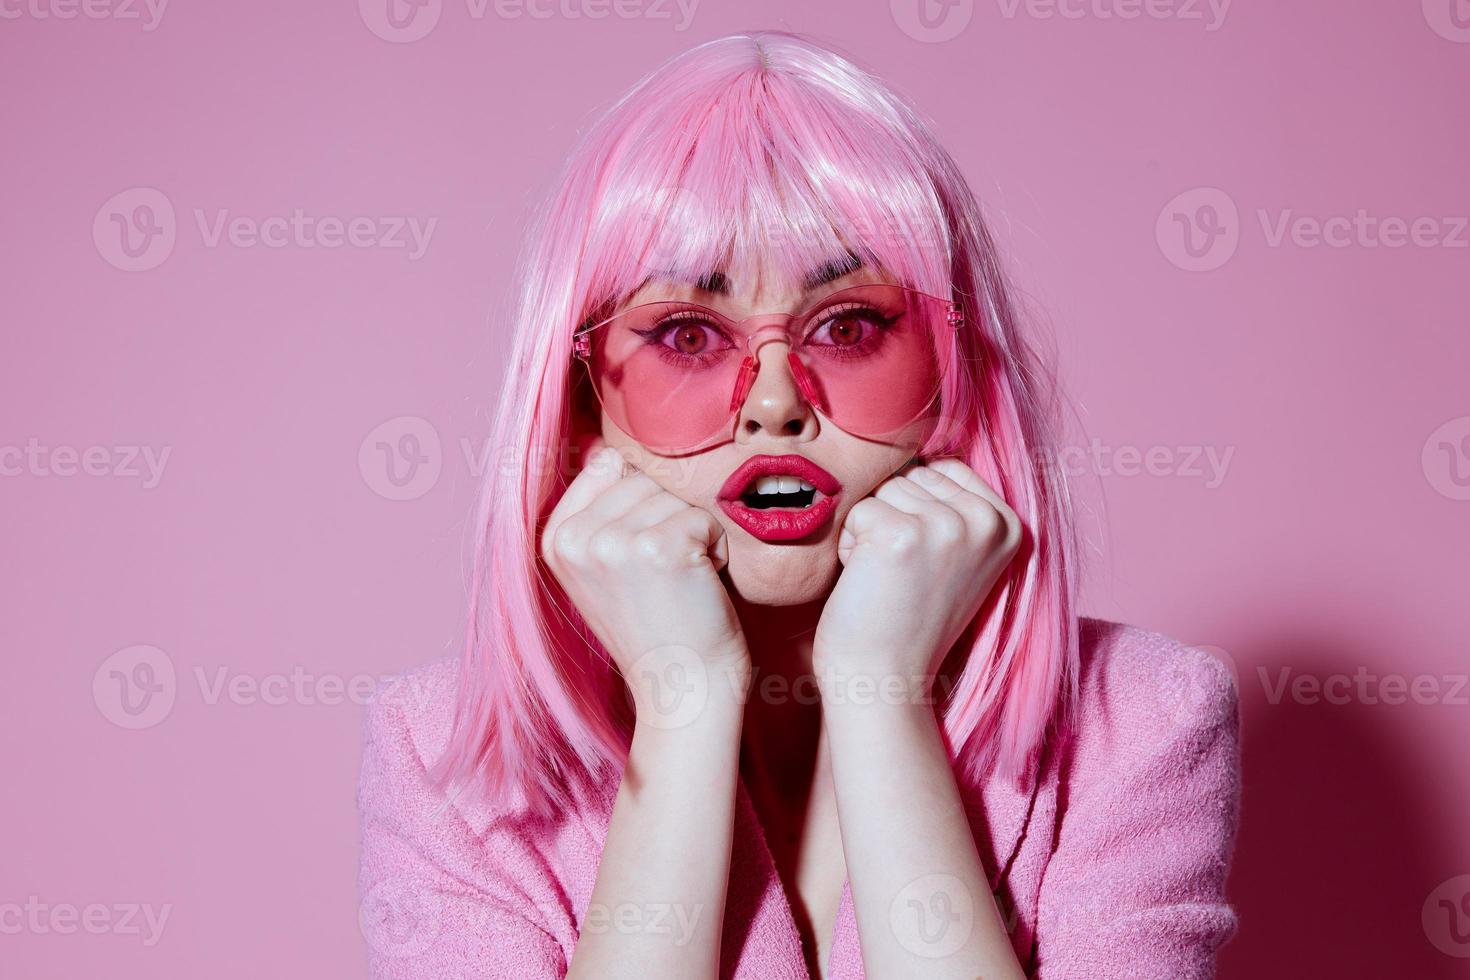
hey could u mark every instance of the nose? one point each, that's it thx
(775, 404)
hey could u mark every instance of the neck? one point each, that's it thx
(779, 638)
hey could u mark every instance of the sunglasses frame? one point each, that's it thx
(750, 366)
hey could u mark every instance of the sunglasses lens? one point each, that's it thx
(665, 372)
(870, 354)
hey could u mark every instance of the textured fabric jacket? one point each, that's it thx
(1111, 865)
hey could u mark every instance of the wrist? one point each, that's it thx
(870, 680)
(673, 689)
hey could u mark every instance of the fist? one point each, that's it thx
(919, 558)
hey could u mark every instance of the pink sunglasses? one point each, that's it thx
(673, 374)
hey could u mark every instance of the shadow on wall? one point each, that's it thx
(1339, 847)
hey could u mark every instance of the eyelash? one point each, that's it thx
(656, 334)
(863, 348)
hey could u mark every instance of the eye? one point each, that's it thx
(848, 327)
(689, 338)
(687, 334)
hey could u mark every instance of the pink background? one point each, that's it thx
(1334, 376)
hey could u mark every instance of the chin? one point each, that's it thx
(782, 574)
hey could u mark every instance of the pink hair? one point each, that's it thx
(758, 146)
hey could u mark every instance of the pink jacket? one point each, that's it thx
(1114, 867)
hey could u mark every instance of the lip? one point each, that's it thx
(780, 523)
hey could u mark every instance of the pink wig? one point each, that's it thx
(753, 148)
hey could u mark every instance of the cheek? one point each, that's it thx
(867, 465)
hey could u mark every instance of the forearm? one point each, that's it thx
(919, 891)
(658, 906)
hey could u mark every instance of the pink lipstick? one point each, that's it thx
(780, 498)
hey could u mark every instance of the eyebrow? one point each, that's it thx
(717, 283)
(832, 271)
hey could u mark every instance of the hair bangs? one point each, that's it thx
(769, 178)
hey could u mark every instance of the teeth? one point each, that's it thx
(781, 484)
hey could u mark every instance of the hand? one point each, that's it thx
(919, 558)
(642, 567)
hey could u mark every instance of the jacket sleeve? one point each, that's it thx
(438, 899)
(1135, 888)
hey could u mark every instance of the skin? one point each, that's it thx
(848, 783)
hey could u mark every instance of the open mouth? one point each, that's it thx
(767, 492)
(780, 498)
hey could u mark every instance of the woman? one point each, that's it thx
(774, 668)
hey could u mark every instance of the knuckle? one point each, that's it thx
(653, 547)
(989, 524)
(904, 535)
(1015, 531)
(547, 543)
(566, 544)
(606, 545)
(947, 527)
